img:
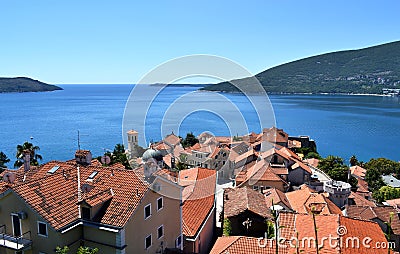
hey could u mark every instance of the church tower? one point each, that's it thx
(132, 143)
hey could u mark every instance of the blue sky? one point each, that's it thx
(100, 42)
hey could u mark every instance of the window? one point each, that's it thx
(53, 169)
(42, 228)
(255, 187)
(160, 232)
(178, 242)
(147, 242)
(160, 203)
(85, 213)
(147, 211)
(92, 175)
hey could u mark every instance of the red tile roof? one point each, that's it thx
(358, 171)
(199, 202)
(246, 245)
(55, 196)
(306, 199)
(172, 139)
(260, 171)
(276, 196)
(336, 227)
(275, 135)
(360, 200)
(312, 162)
(382, 213)
(239, 200)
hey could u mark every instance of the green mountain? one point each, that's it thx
(365, 70)
(21, 84)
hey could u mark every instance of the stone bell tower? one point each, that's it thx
(132, 143)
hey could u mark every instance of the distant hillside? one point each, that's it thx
(353, 71)
(20, 85)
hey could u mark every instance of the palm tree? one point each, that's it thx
(3, 161)
(35, 157)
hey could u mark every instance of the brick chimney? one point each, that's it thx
(27, 160)
(83, 157)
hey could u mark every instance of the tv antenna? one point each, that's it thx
(79, 139)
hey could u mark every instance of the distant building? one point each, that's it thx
(391, 181)
(133, 142)
(338, 192)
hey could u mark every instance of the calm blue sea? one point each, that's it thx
(367, 126)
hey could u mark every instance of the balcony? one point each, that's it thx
(17, 243)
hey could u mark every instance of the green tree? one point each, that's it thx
(227, 227)
(335, 168)
(87, 250)
(384, 166)
(35, 157)
(270, 229)
(63, 250)
(353, 161)
(3, 161)
(374, 179)
(119, 156)
(386, 193)
(190, 140)
(180, 166)
(313, 155)
(81, 250)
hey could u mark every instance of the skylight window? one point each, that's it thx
(93, 175)
(53, 169)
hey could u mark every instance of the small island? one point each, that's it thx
(23, 84)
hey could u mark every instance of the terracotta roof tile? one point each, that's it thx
(238, 200)
(312, 162)
(199, 202)
(244, 245)
(277, 197)
(358, 171)
(304, 199)
(370, 213)
(275, 135)
(55, 196)
(360, 200)
(327, 226)
(172, 139)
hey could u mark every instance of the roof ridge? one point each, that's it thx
(247, 198)
(230, 244)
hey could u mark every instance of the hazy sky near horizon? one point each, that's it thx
(104, 42)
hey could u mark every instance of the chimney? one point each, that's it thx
(27, 160)
(172, 162)
(83, 157)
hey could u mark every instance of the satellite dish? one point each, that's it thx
(9, 177)
(105, 159)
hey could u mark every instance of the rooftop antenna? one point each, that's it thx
(79, 142)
